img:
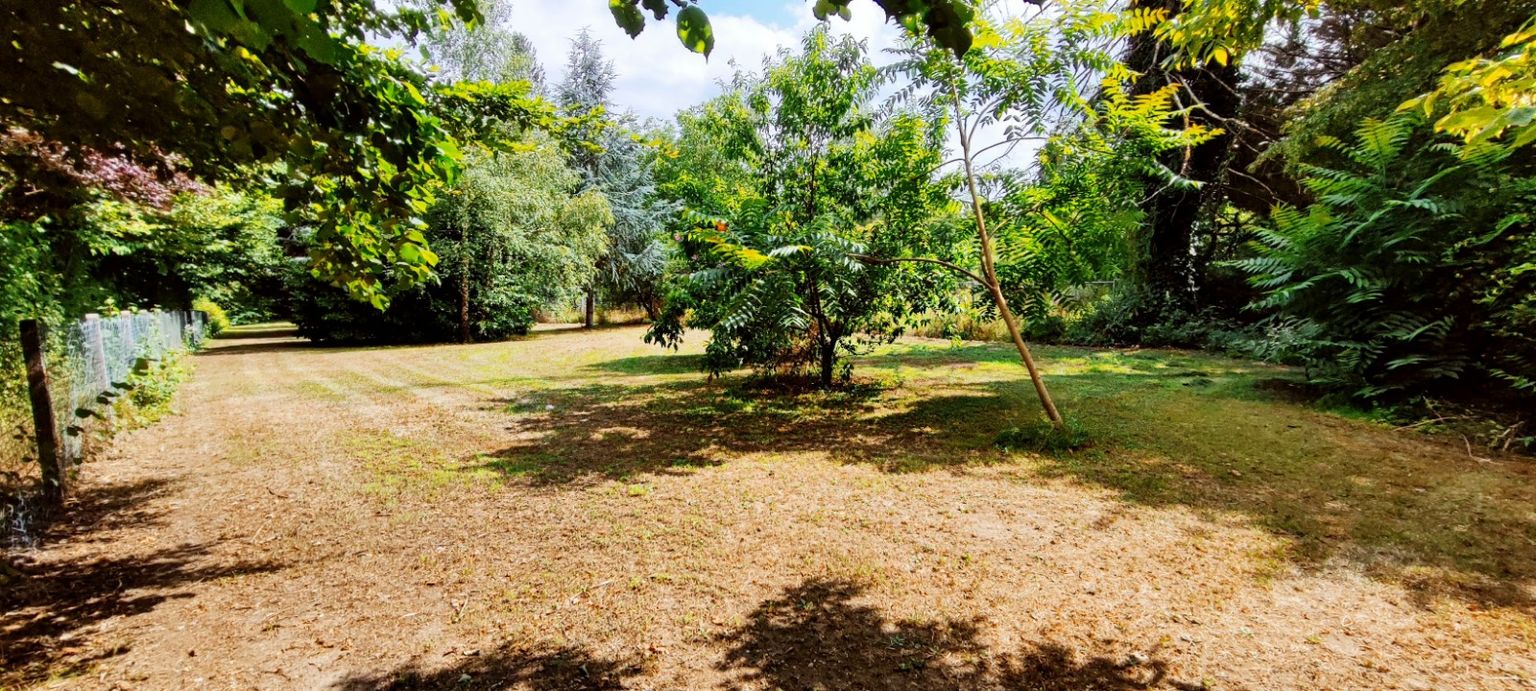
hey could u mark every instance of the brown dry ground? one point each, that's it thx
(580, 510)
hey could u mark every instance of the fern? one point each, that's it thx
(1406, 269)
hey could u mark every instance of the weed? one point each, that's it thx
(1043, 436)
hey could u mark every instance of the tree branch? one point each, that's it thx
(886, 261)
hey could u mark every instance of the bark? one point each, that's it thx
(1167, 266)
(828, 362)
(591, 307)
(989, 273)
(464, 334)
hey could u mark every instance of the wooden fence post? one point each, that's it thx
(42, 414)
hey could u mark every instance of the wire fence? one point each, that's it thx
(74, 375)
(95, 358)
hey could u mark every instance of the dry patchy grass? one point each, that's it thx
(579, 510)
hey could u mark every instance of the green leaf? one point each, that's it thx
(658, 8)
(694, 30)
(627, 16)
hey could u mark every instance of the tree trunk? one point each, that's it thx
(828, 362)
(1166, 266)
(464, 334)
(591, 307)
(989, 272)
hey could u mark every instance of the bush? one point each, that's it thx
(149, 389)
(963, 325)
(218, 320)
(1413, 275)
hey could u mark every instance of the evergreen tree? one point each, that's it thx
(637, 254)
(585, 90)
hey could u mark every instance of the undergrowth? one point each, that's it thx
(1042, 436)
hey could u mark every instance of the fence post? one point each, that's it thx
(42, 413)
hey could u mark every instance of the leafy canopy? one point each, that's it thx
(228, 90)
(945, 21)
(788, 176)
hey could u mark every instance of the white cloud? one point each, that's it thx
(656, 75)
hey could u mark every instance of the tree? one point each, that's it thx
(1165, 274)
(515, 233)
(632, 269)
(585, 91)
(812, 176)
(215, 87)
(1020, 76)
(485, 50)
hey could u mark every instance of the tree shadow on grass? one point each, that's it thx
(1408, 508)
(653, 364)
(815, 636)
(96, 514)
(49, 609)
(565, 668)
(612, 431)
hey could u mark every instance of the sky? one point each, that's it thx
(657, 76)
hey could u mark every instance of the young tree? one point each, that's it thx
(791, 174)
(1029, 78)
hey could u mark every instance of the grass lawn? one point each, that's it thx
(581, 510)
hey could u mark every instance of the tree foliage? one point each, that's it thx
(1487, 98)
(789, 176)
(484, 50)
(1413, 273)
(214, 87)
(946, 22)
(515, 234)
(637, 253)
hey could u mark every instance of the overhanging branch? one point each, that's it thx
(886, 261)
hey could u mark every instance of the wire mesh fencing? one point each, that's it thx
(95, 360)
(76, 374)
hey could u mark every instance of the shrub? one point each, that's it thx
(151, 386)
(218, 320)
(1415, 272)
